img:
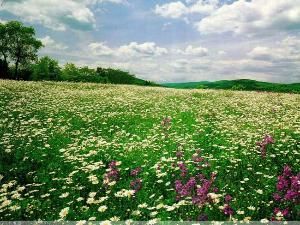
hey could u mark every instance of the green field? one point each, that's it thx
(242, 84)
(68, 151)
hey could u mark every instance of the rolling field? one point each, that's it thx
(112, 152)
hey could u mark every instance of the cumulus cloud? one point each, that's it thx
(100, 49)
(197, 51)
(56, 14)
(158, 63)
(261, 53)
(204, 7)
(276, 61)
(274, 57)
(147, 48)
(171, 10)
(102, 1)
(180, 10)
(291, 42)
(132, 49)
(238, 17)
(252, 16)
(191, 50)
(50, 44)
(286, 50)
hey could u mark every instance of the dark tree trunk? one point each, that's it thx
(3, 68)
(16, 70)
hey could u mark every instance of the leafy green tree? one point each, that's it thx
(22, 45)
(4, 51)
(46, 69)
(70, 72)
(89, 75)
(201, 86)
(238, 87)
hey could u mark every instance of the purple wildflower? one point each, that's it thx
(282, 183)
(136, 184)
(291, 195)
(228, 210)
(184, 190)
(288, 192)
(112, 164)
(113, 173)
(183, 169)
(287, 171)
(268, 139)
(228, 198)
(135, 171)
(202, 192)
(276, 197)
(215, 190)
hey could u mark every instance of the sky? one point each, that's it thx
(170, 40)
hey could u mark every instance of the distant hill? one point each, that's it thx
(243, 84)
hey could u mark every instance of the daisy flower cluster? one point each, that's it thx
(103, 152)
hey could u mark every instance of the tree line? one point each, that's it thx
(19, 60)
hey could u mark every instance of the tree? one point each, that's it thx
(4, 51)
(70, 72)
(201, 86)
(46, 69)
(238, 87)
(22, 45)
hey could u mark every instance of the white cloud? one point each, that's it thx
(100, 49)
(147, 48)
(144, 50)
(57, 14)
(252, 16)
(291, 42)
(239, 17)
(180, 10)
(102, 1)
(50, 44)
(54, 14)
(194, 51)
(197, 51)
(261, 53)
(132, 49)
(287, 50)
(171, 10)
(167, 63)
(271, 61)
(221, 53)
(204, 7)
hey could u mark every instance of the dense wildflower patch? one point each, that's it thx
(110, 153)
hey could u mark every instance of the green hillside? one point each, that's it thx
(243, 84)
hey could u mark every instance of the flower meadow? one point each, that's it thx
(127, 153)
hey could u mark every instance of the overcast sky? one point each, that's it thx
(170, 40)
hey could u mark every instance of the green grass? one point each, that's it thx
(243, 84)
(59, 138)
